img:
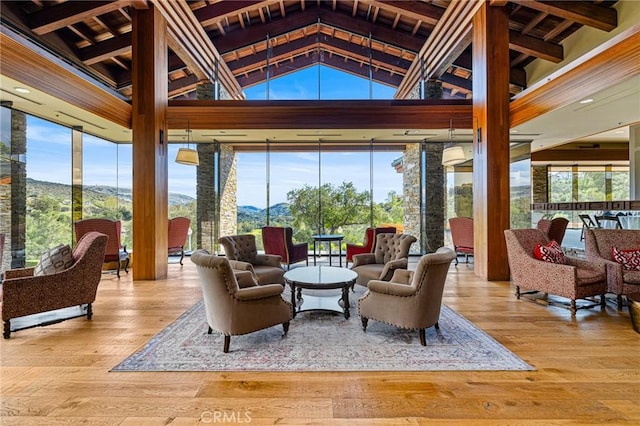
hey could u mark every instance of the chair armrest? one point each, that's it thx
(245, 279)
(594, 264)
(394, 289)
(392, 265)
(402, 276)
(238, 265)
(269, 260)
(259, 292)
(18, 273)
(363, 259)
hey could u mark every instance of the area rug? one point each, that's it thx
(320, 341)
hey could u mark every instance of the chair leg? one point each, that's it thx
(437, 326)
(7, 329)
(603, 301)
(423, 339)
(227, 340)
(518, 292)
(364, 322)
(619, 302)
(89, 311)
(210, 330)
(181, 256)
(126, 265)
(118, 269)
(573, 307)
(285, 326)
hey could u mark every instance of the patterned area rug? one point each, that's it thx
(320, 341)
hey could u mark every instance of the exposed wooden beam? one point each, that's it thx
(534, 22)
(371, 114)
(106, 49)
(550, 155)
(419, 11)
(498, 2)
(446, 42)
(212, 14)
(559, 29)
(533, 46)
(189, 41)
(582, 12)
(68, 13)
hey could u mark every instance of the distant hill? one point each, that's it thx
(62, 192)
(251, 217)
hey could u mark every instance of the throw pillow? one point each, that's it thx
(630, 259)
(552, 252)
(54, 260)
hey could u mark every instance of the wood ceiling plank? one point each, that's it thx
(107, 49)
(68, 13)
(420, 11)
(533, 46)
(217, 12)
(582, 12)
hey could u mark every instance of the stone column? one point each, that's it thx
(434, 197)
(634, 162)
(17, 239)
(228, 191)
(411, 194)
(539, 184)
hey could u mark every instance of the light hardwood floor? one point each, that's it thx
(588, 369)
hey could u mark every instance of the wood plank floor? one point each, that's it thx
(588, 369)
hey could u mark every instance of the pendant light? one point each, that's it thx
(188, 156)
(452, 154)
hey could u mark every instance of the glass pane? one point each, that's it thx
(252, 196)
(560, 185)
(100, 179)
(182, 192)
(125, 185)
(48, 221)
(620, 183)
(591, 186)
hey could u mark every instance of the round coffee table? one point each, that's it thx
(320, 278)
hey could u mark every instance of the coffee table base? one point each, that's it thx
(320, 303)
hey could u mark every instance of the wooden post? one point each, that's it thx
(150, 187)
(491, 195)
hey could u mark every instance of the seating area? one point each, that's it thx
(243, 255)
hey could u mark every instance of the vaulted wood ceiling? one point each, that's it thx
(270, 38)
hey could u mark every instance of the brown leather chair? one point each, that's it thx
(178, 233)
(115, 251)
(24, 293)
(243, 256)
(576, 279)
(598, 244)
(411, 299)
(369, 242)
(391, 253)
(462, 236)
(279, 240)
(233, 310)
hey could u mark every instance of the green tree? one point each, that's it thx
(341, 206)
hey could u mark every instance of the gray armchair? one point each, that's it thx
(411, 299)
(243, 256)
(234, 310)
(391, 252)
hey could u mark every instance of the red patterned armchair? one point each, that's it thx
(24, 293)
(178, 232)
(279, 240)
(598, 244)
(369, 242)
(462, 236)
(115, 251)
(575, 279)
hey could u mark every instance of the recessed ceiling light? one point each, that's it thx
(619, 131)
(586, 101)
(514, 131)
(21, 90)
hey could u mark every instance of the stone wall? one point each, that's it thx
(411, 193)
(229, 192)
(434, 197)
(539, 184)
(17, 240)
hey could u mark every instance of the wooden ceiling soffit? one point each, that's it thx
(294, 21)
(68, 13)
(304, 61)
(103, 50)
(378, 114)
(582, 12)
(612, 62)
(447, 40)
(189, 41)
(26, 65)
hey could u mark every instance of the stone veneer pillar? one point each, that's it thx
(539, 184)
(411, 193)
(17, 239)
(434, 197)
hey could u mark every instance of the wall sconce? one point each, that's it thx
(188, 156)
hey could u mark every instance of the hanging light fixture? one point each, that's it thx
(452, 154)
(188, 156)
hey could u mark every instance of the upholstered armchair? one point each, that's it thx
(412, 299)
(554, 228)
(462, 236)
(115, 251)
(24, 293)
(598, 244)
(243, 256)
(391, 252)
(279, 240)
(177, 235)
(369, 242)
(233, 310)
(575, 279)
